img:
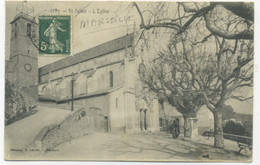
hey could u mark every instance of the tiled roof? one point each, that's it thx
(108, 47)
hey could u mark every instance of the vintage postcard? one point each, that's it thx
(129, 81)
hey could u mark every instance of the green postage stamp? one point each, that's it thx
(54, 35)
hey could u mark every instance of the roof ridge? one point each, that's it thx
(99, 50)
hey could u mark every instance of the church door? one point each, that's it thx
(143, 119)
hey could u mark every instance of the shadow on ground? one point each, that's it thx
(165, 148)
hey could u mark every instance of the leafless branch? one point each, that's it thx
(241, 98)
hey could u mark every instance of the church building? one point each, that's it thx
(104, 79)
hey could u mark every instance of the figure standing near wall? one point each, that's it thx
(175, 128)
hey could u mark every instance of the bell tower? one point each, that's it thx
(23, 52)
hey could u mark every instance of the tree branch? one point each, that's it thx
(170, 25)
(247, 34)
(241, 98)
(242, 9)
(199, 13)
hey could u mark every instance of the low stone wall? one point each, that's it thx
(71, 128)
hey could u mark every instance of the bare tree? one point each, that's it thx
(190, 75)
(168, 79)
(210, 54)
(229, 71)
(186, 14)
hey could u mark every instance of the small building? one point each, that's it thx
(204, 120)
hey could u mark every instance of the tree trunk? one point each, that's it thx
(167, 125)
(187, 127)
(218, 130)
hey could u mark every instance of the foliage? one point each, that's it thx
(228, 113)
(16, 107)
(236, 128)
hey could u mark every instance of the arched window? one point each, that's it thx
(111, 78)
(43, 89)
(86, 85)
(39, 79)
(29, 29)
(15, 29)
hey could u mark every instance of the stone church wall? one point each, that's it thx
(117, 110)
(20, 42)
(23, 77)
(94, 76)
(90, 76)
(32, 91)
(23, 64)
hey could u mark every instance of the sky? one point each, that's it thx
(82, 38)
